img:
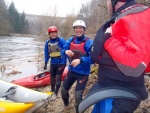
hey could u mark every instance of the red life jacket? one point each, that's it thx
(78, 49)
(129, 45)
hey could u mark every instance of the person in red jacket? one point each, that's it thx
(114, 92)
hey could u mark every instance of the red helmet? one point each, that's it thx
(52, 29)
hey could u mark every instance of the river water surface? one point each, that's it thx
(20, 57)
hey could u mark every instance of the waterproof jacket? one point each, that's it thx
(108, 68)
(84, 67)
(61, 44)
(127, 47)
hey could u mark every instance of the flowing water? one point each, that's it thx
(19, 57)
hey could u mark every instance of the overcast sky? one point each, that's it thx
(46, 7)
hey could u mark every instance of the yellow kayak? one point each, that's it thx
(14, 107)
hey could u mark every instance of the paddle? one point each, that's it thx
(11, 90)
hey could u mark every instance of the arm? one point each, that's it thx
(46, 52)
(66, 46)
(98, 44)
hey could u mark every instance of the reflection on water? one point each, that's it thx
(18, 57)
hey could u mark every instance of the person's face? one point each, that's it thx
(109, 6)
(53, 35)
(79, 30)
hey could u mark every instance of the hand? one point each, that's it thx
(109, 30)
(75, 62)
(45, 67)
(69, 53)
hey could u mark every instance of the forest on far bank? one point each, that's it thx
(94, 13)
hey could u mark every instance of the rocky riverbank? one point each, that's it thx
(56, 105)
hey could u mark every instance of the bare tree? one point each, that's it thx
(41, 23)
(95, 13)
(66, 26)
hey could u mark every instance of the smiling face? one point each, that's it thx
(53, 35)
(79, 30)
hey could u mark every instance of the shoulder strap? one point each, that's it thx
(131, 10)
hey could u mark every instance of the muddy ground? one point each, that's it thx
(56, 105)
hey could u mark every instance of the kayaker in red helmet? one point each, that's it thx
(118, 91)
(78, 52)
(52, 50)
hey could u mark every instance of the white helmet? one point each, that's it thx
(79, 23)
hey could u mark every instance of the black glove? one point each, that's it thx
(45, 67)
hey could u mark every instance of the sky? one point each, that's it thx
(48, 7)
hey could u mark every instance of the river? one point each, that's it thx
(20, 57)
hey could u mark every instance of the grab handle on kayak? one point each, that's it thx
(11, 90)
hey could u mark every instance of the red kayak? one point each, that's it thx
(35, 81)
